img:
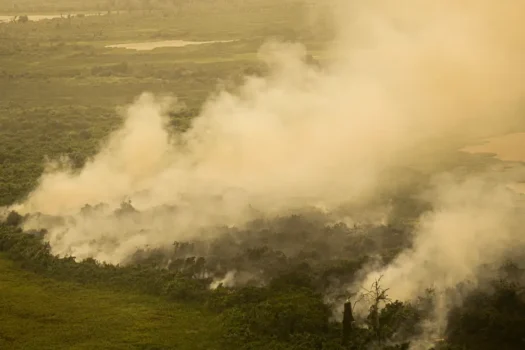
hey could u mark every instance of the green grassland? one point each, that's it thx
(40, 313)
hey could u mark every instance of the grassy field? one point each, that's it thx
(40, 313)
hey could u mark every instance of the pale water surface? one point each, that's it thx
(509, 147)
(37, 18)
(146, 46)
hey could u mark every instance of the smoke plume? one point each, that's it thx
(410, 83)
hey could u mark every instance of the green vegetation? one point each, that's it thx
(42, 313)
(59, 88)
(288, 313)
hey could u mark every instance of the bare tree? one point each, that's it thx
(376, 296)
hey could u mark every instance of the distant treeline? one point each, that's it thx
(131, 5)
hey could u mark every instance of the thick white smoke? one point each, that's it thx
(475, 223)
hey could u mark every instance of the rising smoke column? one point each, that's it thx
(408, 74)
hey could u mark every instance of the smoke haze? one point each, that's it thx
(412, 81)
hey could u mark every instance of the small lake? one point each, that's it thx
(509, 147)
(146, 46)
